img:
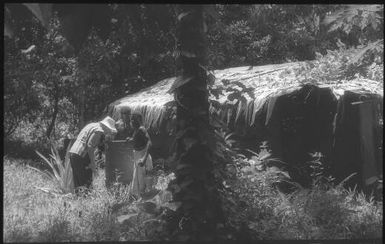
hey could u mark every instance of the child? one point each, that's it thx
(142, 159)
(123, 125)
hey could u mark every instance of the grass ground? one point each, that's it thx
(31, 215)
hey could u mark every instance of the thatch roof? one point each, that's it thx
(266, 81)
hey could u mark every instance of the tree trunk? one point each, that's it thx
(82, 75)
(198, 213)
(54, 115)
(82, 108)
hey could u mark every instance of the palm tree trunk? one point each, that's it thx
(197, 213)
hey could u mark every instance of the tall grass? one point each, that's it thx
(31, 215)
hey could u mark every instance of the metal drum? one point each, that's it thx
(119, 162)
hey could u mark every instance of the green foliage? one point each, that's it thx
(19, 105)
(262, 213)
(62, 171)
(327, 214)
(18, 69)
(141, 49)
(41, 70)
(56, 77)
(363, 26)
(33, 215)
(343, 64)
(318, 171)
(77, 20)
(265, 34)
(42, 11)
(270, 33)
(364, 21)
(257, 210)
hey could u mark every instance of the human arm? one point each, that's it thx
(147, 149)
(129, 139)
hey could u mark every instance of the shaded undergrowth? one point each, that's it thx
(254, 207)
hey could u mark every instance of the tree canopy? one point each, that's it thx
(108, 50)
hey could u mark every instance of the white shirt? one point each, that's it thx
(89, 137)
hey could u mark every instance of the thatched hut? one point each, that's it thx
(340, 119)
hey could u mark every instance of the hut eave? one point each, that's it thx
(266, 82)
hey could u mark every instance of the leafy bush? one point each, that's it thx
(256, 208)
(343, 64)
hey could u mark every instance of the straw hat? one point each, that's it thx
(110, 124)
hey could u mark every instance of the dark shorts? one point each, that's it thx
(82, 175)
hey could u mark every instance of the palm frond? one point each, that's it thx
(299, 186)
(51, 165)
(61, 171)
(277, 160)
(346, 179)
(251, 151)
(346, 13)
(55, 162)
(68, 168)
(229, 135)
(358, 56)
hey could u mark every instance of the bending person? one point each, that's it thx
(82, 152)
(142, 159)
